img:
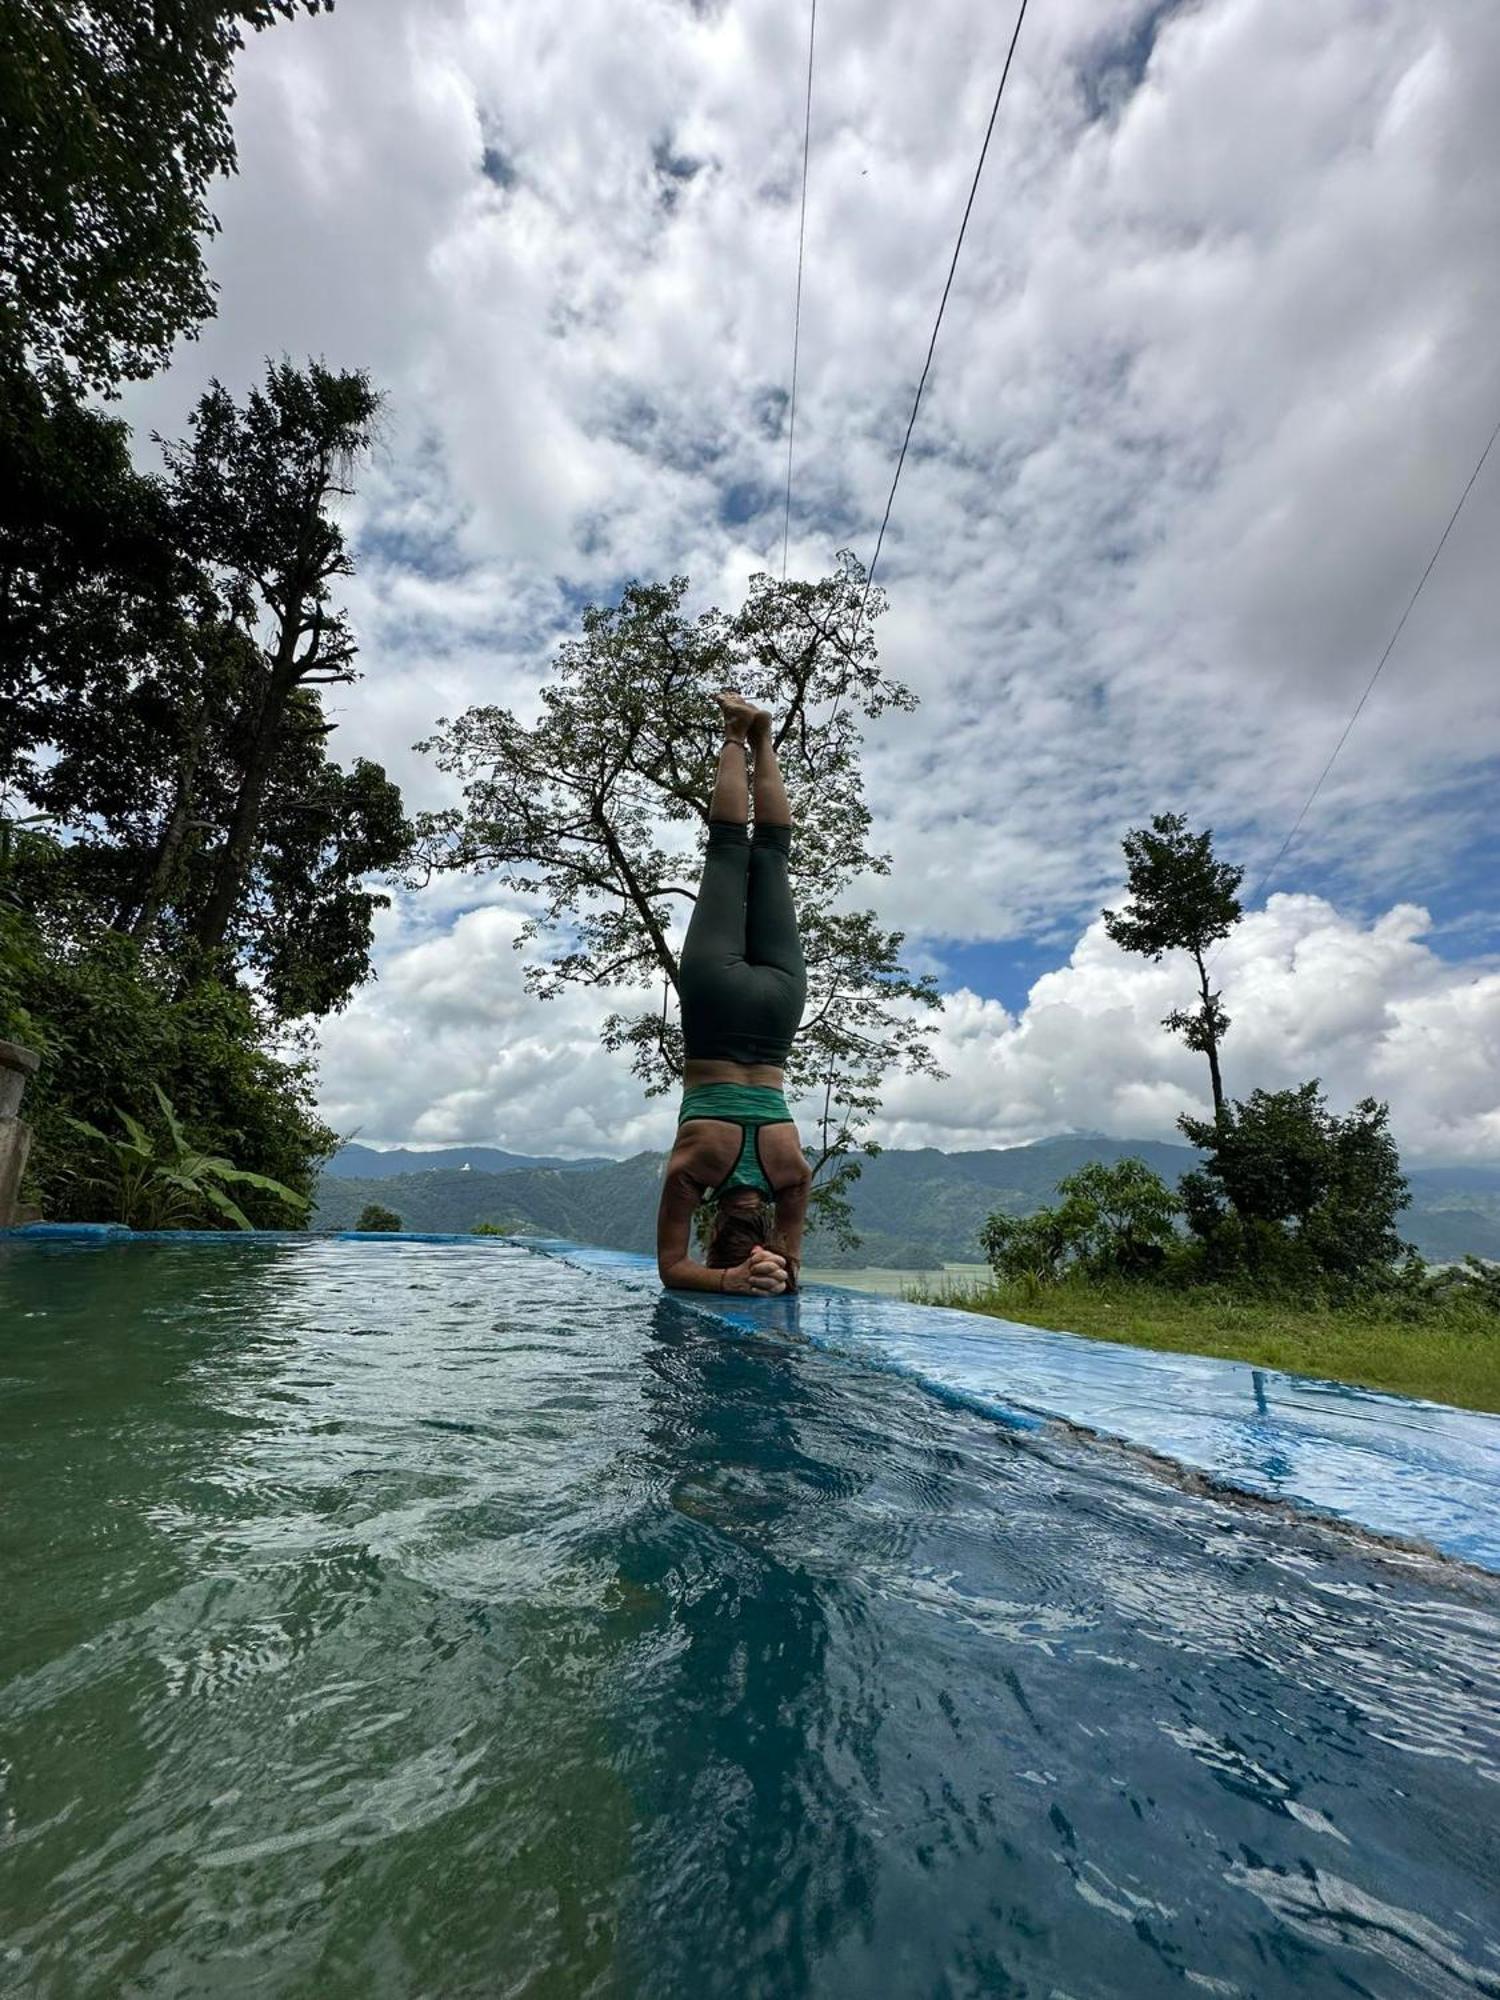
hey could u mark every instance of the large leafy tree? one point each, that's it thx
(1182, 898)
(172, 639)
(96, 589)
(255, 490)
(595, 810)
(116, 119)
(1289, 1185)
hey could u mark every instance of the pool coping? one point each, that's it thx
(1408, 1471)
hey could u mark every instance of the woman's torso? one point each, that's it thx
(761, 1076)
(735, 1127)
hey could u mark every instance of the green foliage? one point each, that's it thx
(151, 1182)
(1182, 899)
(185, 759)
(906, 1204)
(109, 1026)
(373, 1219)
(116, 120)
(596, 812)
(1114, 1219)
(95, 587)
(1291, 1193)
(1125, 1217)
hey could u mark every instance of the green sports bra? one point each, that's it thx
(748, 1105)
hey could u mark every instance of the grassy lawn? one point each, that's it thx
(1451, 1354)
(891, 1282)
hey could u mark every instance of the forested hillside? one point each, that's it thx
(914, 1210)
(368, 1163)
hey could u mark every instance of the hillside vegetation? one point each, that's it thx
(913, 1210)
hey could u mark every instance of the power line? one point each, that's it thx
(932, 344)
(1379, 668)
(791, 429)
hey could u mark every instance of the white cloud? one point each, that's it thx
(1218, 360)
(1369, 1008)
(447, 1048)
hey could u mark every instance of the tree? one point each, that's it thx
(155, 1182)
(96, 589)
(595, 811)
(142, 715)
(377, 1220)
(252, 489)
(116, 118)
(1291, 1189)
(1114, 1220)
(110, 1024)
(1124, 1217)
(1035, 1248)
(1182, 899)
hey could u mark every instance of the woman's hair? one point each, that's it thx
(737, 1230)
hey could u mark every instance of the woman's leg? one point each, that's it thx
(714, 947)
(772, 806)
(771, 936)
(730, 804)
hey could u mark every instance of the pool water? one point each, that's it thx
(435, 1620)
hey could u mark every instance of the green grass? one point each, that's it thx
(889, 1280)
(1450, 1353)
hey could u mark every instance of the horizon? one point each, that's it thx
(1025, 1145)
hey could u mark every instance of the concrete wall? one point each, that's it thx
(16, 1066)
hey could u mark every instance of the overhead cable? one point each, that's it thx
(1307, 803)
(791, 429)
(936, 326)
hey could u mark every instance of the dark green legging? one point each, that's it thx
(743, 978)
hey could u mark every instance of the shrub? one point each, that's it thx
(110, 1026)
(151, 1181)
(1292, 1193)
(373, 1219)
(1113, 1221)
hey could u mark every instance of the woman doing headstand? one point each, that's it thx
(742, 984)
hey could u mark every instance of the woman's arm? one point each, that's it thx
(786, 1168)
(791, 1220)
(680, 1195)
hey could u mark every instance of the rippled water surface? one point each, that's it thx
(432, 1620)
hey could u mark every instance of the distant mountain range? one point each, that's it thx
(914, 1210)
(369, 1163)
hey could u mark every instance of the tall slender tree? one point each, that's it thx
(1182, 899)
(254, 488)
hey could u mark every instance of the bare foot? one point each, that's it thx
(742, 719)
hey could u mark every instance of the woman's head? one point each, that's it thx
(742, 1220)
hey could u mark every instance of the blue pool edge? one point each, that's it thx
(1413, 1473)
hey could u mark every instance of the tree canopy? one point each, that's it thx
(594, 811)
(1289, 1188)
(116, 119)
(1182, 898)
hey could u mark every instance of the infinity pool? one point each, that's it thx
(434, 1620)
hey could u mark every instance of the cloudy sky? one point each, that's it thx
(1219, 360)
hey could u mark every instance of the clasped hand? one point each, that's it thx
(763, 1271)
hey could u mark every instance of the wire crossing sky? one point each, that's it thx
(791, 427)
(911, 422)
(1282, 851)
